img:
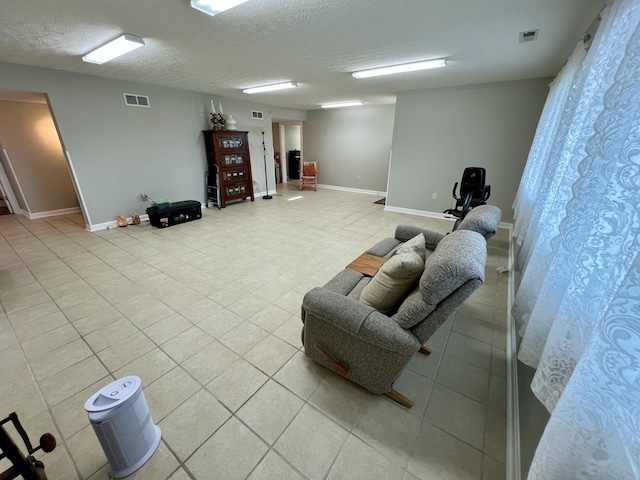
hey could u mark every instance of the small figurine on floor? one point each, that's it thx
(122, 222)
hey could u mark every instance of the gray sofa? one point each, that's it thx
(372, 348)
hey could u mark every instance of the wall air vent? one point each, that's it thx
(134, 100)
(529, 35)
(256, 115)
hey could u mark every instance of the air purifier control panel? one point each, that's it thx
(113, 394)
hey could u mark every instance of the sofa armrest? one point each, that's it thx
(407, 232)
(358, 320)
(355, 340)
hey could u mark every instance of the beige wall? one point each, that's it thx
(292, 137)
(30, 139)
(118, 152)
(440, 132)
(350, 142)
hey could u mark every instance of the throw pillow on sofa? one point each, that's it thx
(416, 244)
(393, 281)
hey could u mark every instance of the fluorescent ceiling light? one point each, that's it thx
(343, 104)
(407, 67)
(211, 7)
(123, 44)
(270, 88)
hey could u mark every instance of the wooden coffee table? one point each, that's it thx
(367, 264)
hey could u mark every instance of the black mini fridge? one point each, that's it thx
(293, 164)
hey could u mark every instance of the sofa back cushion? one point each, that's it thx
(415, 244)
(393, 281)
(459, 257)
(483, 219)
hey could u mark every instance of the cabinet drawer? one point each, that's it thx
(234, 173)
(233, 158)
(233, 190)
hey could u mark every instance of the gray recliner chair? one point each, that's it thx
(371, 348)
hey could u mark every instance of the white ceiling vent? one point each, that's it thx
(256, 115)
(529, 35)
(134, 100)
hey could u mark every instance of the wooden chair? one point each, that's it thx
(309, 175)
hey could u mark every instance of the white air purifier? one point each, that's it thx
(121, 419)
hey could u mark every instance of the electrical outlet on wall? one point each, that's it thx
(143, 196)
(434, 196)
(357, 177)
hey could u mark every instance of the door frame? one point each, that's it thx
(7, 192)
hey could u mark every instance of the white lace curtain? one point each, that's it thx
(578, 222)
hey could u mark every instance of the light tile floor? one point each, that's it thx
(207, 314)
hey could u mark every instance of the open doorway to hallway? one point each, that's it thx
(35, 179)
(287, 147)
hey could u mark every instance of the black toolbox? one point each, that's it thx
(167, 214)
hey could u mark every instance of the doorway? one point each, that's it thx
(8, 201)
(287, 146)
(35, 176)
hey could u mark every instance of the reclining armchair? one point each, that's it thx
(372, 348)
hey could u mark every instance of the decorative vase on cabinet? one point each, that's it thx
(231, 123)
(228, 159)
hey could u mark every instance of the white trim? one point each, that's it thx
(420, 213)
(513, 408)
(114, 223)
(76, 186)
(52, 213)
(389, 169)
(508, 226)
(443, 216)
(353, 190)
(15, 177)
(262, 194)
(9, 196)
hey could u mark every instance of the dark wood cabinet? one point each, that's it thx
(229, 166)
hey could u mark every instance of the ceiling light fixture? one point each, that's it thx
(125, 43)
(406, 67)
(343, 104)
(212, 7)
(270, 88)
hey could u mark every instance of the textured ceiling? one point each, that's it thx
(317, 43)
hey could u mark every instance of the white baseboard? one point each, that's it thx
(51, 213)
(420, 213)
(353, 190)
(114, 224)
(262, 194)
(513, 405)
(426, 213)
